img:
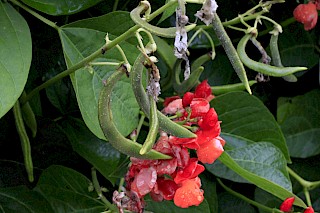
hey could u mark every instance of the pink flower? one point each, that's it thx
(173, 107)
(189, 194)
(144, 181)
(306, 14)
(286, 205)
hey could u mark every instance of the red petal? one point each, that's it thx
(167, 166)
(306, 14)
(187, 98)
(190, 143)
(210, 151)
(174, 107)
(309, 210)
(286, 206)
(189, 194)
(167, 188)
(192, 170)
(199, 107)
(209, 120)
(203, 90)
(168, 100)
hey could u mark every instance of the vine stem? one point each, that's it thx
(89, 58)
(97, 188)
(37, 15)
(307, 185)
(252, 202)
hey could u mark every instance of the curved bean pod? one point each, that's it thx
(25, 142)
(153, 128)
(276, 59)
(165, 123)
(109, 129)
(163, 32)
(260, 67)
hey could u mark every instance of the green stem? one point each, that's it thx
(303, 182)
(94, 55)
(97, 187)
(115, 5)
(38, 16)
(252, 202)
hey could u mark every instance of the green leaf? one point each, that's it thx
(15, 56)
(60, 7)
(209, 187)
(23, 200)
(97, 152)
(261, 159)
(246, 116)
(261, 182)
(299, 119)
(231, 204)
(168, 206)
(297, 46)
(67, 191)
(77, 44)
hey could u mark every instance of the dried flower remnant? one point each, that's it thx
(181, 40)
(207, 11)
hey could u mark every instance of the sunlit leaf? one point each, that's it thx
(15, 56)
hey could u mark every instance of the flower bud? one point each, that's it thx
(286, 206)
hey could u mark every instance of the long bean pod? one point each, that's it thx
(230, 51)
(165, 123)
(163, 32)
(276, 59)
(109, 129)
(153, 128)
(218, 90)
(29, 116)
(260, 67)
(25, 142)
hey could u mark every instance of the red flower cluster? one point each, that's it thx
(307, 14)
(177, 179)
(286, 206)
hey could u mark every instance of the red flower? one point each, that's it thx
(173, 107)
(211, 150)
(187, 98)
(209, 121)
(286, 206)
(306, 14)
(199, 107)
(144, 181)
(189, 194)
(203, 90)
(192, 170)
(309, 210)
(164, 189)
(168, 100)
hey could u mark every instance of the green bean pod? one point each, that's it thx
(230, 51)
(200, 61)
(165, 123)
(25, 142)
(276, 59)
(188, 84)
(260, 67)
(218, 90)
(28, 116)
(109, 129)
(163, 32)
(153, 128)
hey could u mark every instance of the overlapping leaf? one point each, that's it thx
(61, 7)
(168, 206)
(299, 118)
(15, 56)
(79, 42)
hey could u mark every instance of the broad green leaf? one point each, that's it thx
(297, 47)
(168, 206)
(97, 152)
(299, 119)
(67, 190)
(261, 159)
(232, 204)
(208, 184)
(261, 182)
(61, 7)
(23, 200)
(63, 200)
(77, 44)
(15, 56)
(246, 116)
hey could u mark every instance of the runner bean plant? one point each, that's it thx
(159, 106)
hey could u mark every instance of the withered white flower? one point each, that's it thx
(181, 40)
(206, 13)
